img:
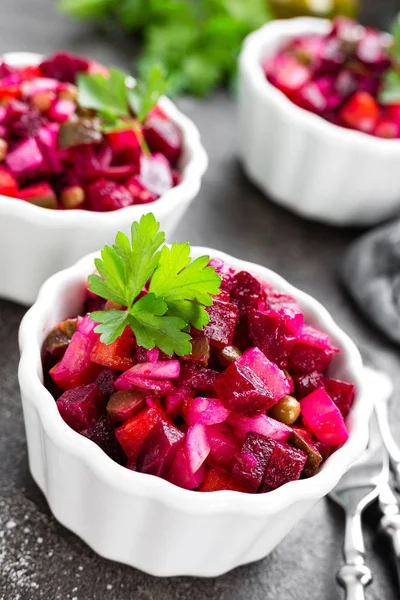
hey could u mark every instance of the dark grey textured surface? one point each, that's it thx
(38, 557)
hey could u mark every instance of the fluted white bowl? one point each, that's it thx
(312, 167)
(142, 520)
(36, 242)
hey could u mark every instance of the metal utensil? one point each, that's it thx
(388, 503)
(381, 407)
(385, 387)
(357, 489)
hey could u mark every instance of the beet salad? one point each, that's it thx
(350, 76)
(191, 371)
(74, 134)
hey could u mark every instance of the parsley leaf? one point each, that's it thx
(176, 278)
(390, 91)
(112, 324)
(196, 41)
(105, 94)
(147, 92)
(163, 290)
(113, 98)
(153, 329)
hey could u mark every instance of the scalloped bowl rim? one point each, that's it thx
(192, 173)
(250, 60)
(149, 486)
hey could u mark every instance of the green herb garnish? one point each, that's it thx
(197, 41)
(178, 289)
(390, 90)
(114, 99)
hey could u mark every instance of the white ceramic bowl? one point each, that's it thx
(142, 520)
(301, 161)
(36, 242)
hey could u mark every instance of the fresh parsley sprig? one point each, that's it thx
(197, 41)
(113, 98)
(161, 291)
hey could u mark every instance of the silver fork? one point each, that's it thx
(357, 489)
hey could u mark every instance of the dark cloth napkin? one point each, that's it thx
(372, 275)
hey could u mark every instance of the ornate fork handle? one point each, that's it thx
(391, 526)
(354, 576)
(354, 579)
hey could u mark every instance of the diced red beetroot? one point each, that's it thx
(40, 194)
(289, 74)
(263, 424)
(154, 387)
(75, 367)
(117, 355)
(105, 195)
(197, 377)
(223, 445)
(82, 406)
(123, 405)
(105, 381)
(139, 192)
(102, 434)
(155, 174)
(27, 124)
(221, 327)
(240, 390)
(41, 84)
(197, 446)
(275, 299)
(307, 357)
(341, 393)
(163, 136)
(311, 98)
(29, 72)
(316, 338)
(371, 50)
(321, 415)
(64, 66)
(245, 292)
(10, 91)
(86, 325)
(387, 128)
(61, 110)
(268, 331)
(216, 479)
(132, 434)
(305, 384)
(83, 163)
(47, 139)
(174, 400)
(182, 475)
(361, 112)
(159, 450)
(207, 411)
(8, 184)
(5, 69)
(249, 468)
(25, 158)
(286, 464)
(14, 110)
(123, 140)
(163, 369)
(269, 373)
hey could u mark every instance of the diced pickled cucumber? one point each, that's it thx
(79, 131)
(314, 458)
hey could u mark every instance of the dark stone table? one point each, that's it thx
(38, 557)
